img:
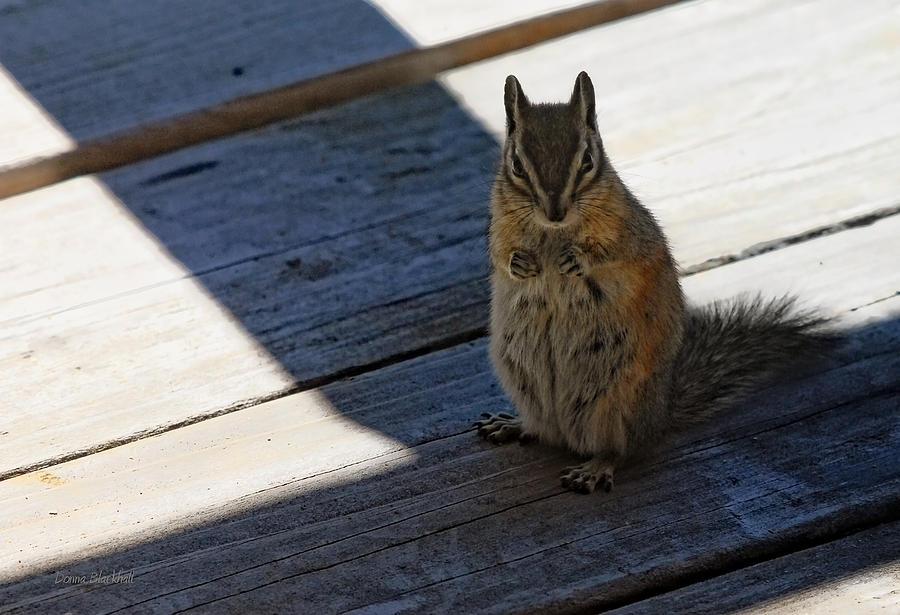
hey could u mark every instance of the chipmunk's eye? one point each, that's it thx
(587, 162)
(517, 168)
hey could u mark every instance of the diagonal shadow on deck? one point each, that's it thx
(465, 526)
(343, 241)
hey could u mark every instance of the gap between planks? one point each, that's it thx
(766, 266)
(883, 515)
(692, 228)
(850, 523)
(441, 344)
(853, 519)
(828, 578)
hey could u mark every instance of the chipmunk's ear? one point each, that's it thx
(583, 101)
(514, 99)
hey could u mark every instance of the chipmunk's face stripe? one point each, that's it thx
(518, 185)
(551, 167)
(579, 175)
(582, 173)
(547, 137)
(519, 174)
(526, 180)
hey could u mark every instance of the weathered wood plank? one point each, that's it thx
(393, 450)
(433, 22)
(291, 100)
(859, 574)
(719, 131)
(355, 264)
(28, 130)
(509, 538)
(93, 401)
(303, 183)
(332, 242)
(167, 58)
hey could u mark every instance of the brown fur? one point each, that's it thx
(587, 313)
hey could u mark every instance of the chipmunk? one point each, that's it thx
(590, 334)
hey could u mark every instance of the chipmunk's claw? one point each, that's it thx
(570, 264)
(500, 428)
(586, 477)
(523, 265)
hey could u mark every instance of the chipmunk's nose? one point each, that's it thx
(555, 209)
(556, 214)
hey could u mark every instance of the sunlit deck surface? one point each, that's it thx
(242, 377)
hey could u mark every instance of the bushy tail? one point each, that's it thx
(732, 348)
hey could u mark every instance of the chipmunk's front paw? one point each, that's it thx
(588, 476)
(570, 262)
(523, 265)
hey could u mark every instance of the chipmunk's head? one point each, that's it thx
(553, 153)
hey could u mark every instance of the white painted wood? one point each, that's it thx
(369, 248)
(28, 132)
(403, 432)
(411, 531)
(74, 84)
(736, 121)
(171, 351)
(859, 574)
(107, 336)
(393, 262)
(814, 275)
(437, 21)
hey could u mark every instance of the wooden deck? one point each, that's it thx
(245, 373)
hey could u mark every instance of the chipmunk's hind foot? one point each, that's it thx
(502, 428)
(588, 476)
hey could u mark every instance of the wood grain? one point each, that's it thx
(170, 58)
(358, 261)
(217, 277)
(291, 100)
(722, 115)
(429, 546)
(323, 245)
(858, 574)
(380, 477)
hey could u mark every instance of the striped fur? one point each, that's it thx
(590, 336)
